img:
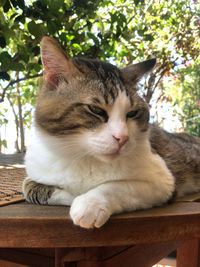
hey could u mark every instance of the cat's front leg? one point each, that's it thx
(94, 208)
(37, 193)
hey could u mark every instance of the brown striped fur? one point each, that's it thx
(73, 88)
(64, 110)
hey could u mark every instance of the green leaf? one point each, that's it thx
(6, 6)
(2, 42)
(148, 37)
(94, 38)
(21, 4)
(13, 15)
(2, 18)
(6, 60)
(23, 53)
(36, 50)
(20, 18)
(32, 27)
(141, 32)
(14, 3)
(51, 26)
(138, 1)
(69, 37)
(38, 30)
(34, 66)
(77, 47)
(17, 66)
(2, 2)
(4, 76)
(55, 5)
(4, 143)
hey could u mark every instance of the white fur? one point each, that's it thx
(97, 178)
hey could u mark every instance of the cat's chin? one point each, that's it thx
(108, 157)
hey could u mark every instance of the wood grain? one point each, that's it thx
(139, 256)
(190, 198)
(188, 254)
(25, 225)
(26, 257)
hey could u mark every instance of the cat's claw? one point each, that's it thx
(88, 212)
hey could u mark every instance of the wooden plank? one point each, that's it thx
(140, 255)
(39, 212)
(48, 252)
(59, 254)
(25, 257)
(11, 264)
(103, 253)
(188, 255)
(190, 198)
(12, 201)
(24, 225)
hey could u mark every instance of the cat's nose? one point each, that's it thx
(122, 139)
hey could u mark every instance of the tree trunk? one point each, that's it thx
(16, 124)
(21, 122)
(149, 88)
(0, 145)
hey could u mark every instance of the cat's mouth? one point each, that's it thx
(114, 153)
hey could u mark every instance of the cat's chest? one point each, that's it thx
(49, 167)
(79, 178)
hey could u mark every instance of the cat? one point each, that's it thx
(93, 147)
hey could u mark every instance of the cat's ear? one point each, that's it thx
(134, 73)
(55, 62)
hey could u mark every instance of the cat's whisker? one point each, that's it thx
(70, 145)
(79, 157)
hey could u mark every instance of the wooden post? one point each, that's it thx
(188, 254)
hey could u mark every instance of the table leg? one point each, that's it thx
(188, 254)
(68, 257)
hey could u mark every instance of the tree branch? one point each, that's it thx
(16, 81)
(149, 86)
(161, 76)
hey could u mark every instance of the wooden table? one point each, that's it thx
(45, 236)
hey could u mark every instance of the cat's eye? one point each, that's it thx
(98, 111)
(132, 114)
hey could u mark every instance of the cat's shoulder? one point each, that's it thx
(161, 140)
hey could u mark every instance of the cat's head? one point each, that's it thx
(90, 106)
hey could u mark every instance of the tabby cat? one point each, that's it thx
(93, 147)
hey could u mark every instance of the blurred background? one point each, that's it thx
(121, 32)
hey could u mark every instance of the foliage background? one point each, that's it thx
(123, 32)
(184, 87)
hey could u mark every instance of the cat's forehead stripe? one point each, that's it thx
(108, 75)
(109, 80)
(96, 100)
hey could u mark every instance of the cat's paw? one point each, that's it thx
(89, 212)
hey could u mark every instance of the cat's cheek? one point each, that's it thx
(100, 144)
(89, 212)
